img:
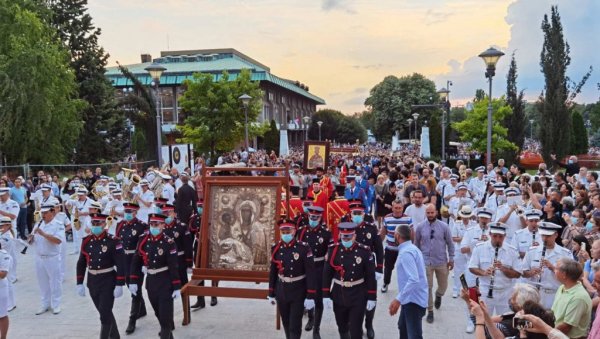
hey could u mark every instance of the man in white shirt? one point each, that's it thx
(168, 192)
(9, 208)
(145, 198)
(478, 184)
(507, 213)
(416, 210)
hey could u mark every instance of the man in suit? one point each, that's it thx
(354, 192)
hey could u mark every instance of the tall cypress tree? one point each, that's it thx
(579, 137)
(515, 122)
(104, 134)
(554, 103)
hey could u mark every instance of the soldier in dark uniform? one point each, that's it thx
(302, 218)
(157, 253)
(194, 227)
(318, 237)
(368, 235)
(180, 233)
(159, 203)
(130, 230)
(100, 253)
(351, 268)
(291, 279)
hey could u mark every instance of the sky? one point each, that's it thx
(342, 48)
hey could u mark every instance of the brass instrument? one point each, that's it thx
(76, 222)
(156, 186)
(133, 180)
(98, 195)
(37, 216)
(541, 267)
(491, 290)
(111, 218)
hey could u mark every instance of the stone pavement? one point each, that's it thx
(230, 319)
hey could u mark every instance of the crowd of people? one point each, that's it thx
(503, 234)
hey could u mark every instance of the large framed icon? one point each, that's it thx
(316, 154)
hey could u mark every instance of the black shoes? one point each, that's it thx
(213, 301)
(438, 302)
(430, 317)
(384, 288)
(200, 303)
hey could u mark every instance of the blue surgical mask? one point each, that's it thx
(157, 210)
(199, 209)
(155, 231)
(287, 238)
(313, 223)
(305, 209)
(357, 219)
(589, 226)
(570, 162)
(128, 216)
(97, 230)
(348, 243)
(168, 220)
(575, 220)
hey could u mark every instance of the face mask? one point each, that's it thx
(157, 210)
(347, 244)
(128, 216)
(287, 238)
(97, 230)
(313, 223)
(168, 220)
(155, 231)
(199, 209)
(305, 209)
(589, 226)
(570, 162)
(357, 219)
(575, 220)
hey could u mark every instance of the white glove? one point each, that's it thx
(144, 269)
(378, 276)
(271, 300)
(176, 293)
(371, 304)
(309, 304)
(118, 292)
(190, 270)
(327, 302)
(81, 290)
(133, 288)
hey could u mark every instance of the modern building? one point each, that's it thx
(287, 102)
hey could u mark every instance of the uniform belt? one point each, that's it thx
(129, 251)
(349, 283)
(319, 258)
(291, 279)
(180, 253)
(102, 271)
(157, 270)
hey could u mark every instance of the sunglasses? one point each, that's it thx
(432, 234)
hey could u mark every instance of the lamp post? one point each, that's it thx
(530, 128)
(445, 96)
(245, 99)
(409, 127)
(319, 123)
(416, 116)
(306, 122)
(490, 58)
(156, 70)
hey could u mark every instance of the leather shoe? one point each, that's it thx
(41, 310)
(384, 288)
(438, 302)
(430, 317)
(130, 327)
(213, 301)
(56, 310)
(370, 333)
(200, 303)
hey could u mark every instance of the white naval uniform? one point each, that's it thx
(63, 219)
(471, 238)
(144, 211)
(483, 258)
(119, 209)
(12, 207)
(9, 244)
(477, 188)
(456, 203)
(5, 286)
(492, 203)
(458, 230)
(524, 239)
(513, 222)
(78, 235)
(168, 193)
(549, 284)
(47, 264)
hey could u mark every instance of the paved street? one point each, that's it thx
(230, 319)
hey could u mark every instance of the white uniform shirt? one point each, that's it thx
(513, 222)
(63, 219)
(168, 193)
(524, 239)
(82, 207)
(492, 202)
(483, 258)
(5, 265)
(455, 204)
(472, 237)
(144, 211)
(12, 207)
(532, 260)
(477, 188)
(44, 247)
(458, 230)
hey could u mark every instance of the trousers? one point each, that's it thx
(291, 317)
(410, 323)
(441, 275)
(389, 261)
(350, 318)
(48, 275)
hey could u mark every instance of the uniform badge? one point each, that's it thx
(358, 260)
(160, 251)
(134, 232)
(368, 235)
(320, 240)
(104, 248)
(176, 234)
(296, 256)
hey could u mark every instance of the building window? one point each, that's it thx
(283, 99)
(271, 97)
(167, 105)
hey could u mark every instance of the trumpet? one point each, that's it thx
(520, 210)
(111, 218)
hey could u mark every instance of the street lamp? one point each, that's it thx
(306, 122)
(416, 116)
(445, 96)
(245, 99)
(319, 123)
(156, 71)
(409, 127)
(490, 57)
(530, 128)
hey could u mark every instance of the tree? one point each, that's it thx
(474, 128)
(104, 134)
(515, 122)
(349, 130)
(435, 136)
(579, 137)
(366, 118)
(391, 100)
(215, 115)
(271, 138)
(336, 127)
(479, 95)
(559, 91)
(39, 120)
(139, 144)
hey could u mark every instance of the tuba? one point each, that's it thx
(133, 180)
(156, 186)
(111, 218)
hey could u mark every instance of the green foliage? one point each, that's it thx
(104, 134)
(366, 118)
(474, 128)
(594, 115)
(336, 127)
(139, 144)
(215, 115)
(515, 122)
(391, 100)
(554, 104)
(435, 135)
(479, 95)
(457, 114)
(579, 137)
(271, 138)
(595, 139)
(39, 120)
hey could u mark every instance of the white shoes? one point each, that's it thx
(454, 294)
(56, 310)
(41, 310)
(470, 327)
(12, 308)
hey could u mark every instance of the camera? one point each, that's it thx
(520, 323)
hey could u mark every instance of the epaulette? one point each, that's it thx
(480, 244)
(510, 246)
(521, 230)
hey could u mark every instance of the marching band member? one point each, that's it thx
(114, 208)
(497, 198)
(8, 248)
(478, 185)
(168, 192)
(62, 219)
(10, 208)
(145, 199)
(460, 199)
(530, 236)
(458, 229)
(509, 213)
(80, 214)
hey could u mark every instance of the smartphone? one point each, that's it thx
(520, 323)
(463, 281)
(473, 292)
